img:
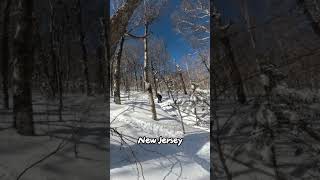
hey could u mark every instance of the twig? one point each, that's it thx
(60, 146)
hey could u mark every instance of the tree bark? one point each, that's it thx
(154, 79)
(183, 84)
(6, 54)
(235, 72)
(119, 22)
(53, 77)
(148, 86)
(107, 51)
(220, 32)
(101, 73)
(117, 77)
(84, 55)
(22, 73)
(136, 76)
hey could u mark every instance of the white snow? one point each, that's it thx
(153, 161)
(18, 152)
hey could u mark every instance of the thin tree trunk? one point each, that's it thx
(23, 62)
(154, 79)
(107, 51)
(221, 31)
(119, 22)
(148, 86)
(84, 57)
(60, 73)
(141, 83)
(116, 74)
(53, 77)
(101, 72)
(68, 65)
(6, 54)
(250, 31)
(136, 77)
(235, 72)
(183, 84)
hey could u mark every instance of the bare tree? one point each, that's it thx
(151, 12)
(116, 73)
(179, 70)
(221, 35)
(147, 70)
(23, 62)
(5, 53)
(119, 22)
(84, 55)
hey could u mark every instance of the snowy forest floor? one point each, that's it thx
(82, 131)
(130, 160)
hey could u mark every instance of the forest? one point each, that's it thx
(235, 82)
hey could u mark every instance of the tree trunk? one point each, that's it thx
(68, 65)
(117, 77)
(222, 37)
(60, 73)
(111, 76)
(154, 79)
(142, 83)
(183, 84)
(107, 51)
(119, 22)
(84, 51)
(22, 73)
(136, 77)
(148, 86)
(101, 73)
(235, 72)
(6, 54)
(53, 77)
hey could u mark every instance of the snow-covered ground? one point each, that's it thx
(130, 160)
(84, 122)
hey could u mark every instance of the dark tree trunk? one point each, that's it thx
(68, 66)
(111, 75)
(136, 77)
(84, 51)
(101, 73)
(107, 51)
(235, 72)
(183, 84)
(148, 86)
(6, 54)
(60, 72)
(119, 22)
(23, 62)
(154, 79)
(116, 74)
(53, 77)
(68, 49)
(142, 83)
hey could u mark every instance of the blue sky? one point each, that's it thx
(163, 28)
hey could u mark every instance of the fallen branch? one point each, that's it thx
(60, 146)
